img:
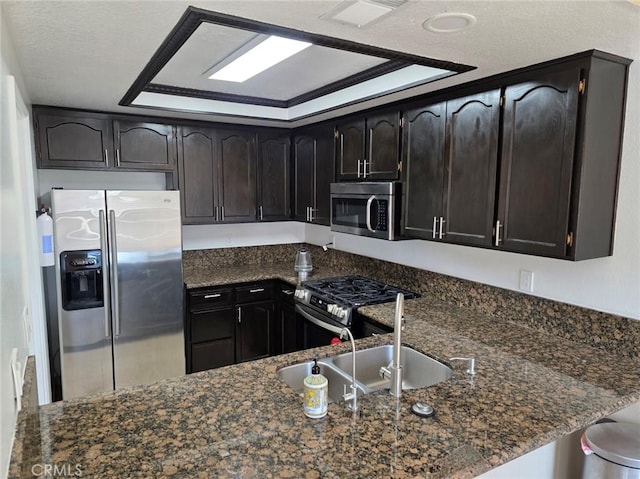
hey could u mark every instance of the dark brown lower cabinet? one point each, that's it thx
(210, 329)
(256, 331)
(241, 322)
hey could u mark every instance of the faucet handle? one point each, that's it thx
(471, 364)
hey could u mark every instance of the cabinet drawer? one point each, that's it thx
(206, 298)
(254, 292)
(209, 325)
(213, 354)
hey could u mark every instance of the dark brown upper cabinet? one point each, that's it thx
(144, 145)
(530, 166)
(471, 154)
(561, 158)
(274, 152)
(314, 171)
(423, 172)
(71, 140)
(237, 173)
(368, 148)
(538, 147)
(198, 174)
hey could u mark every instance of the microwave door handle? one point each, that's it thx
(370, 201)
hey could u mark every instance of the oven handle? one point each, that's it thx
(318, 322)
(370, 201)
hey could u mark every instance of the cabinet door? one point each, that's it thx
(471, 158)
(273, 177)
(423, 158)
(255, 331)
(237, 173)
(144, 146)
(67, 140)
(211, 336)
(383, 146)
(290, 338)
(537, 158)
(324, 175)
(351, 150)
(198, 174)
(304, 152)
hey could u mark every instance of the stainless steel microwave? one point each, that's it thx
(366, 209)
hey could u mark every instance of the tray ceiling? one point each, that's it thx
(331, 73)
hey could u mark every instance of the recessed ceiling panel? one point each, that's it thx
(308, 70)
(329, 74)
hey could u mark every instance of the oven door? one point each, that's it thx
(318, 329)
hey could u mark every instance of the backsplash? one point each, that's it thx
(606, 331)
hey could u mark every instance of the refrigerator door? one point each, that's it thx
(145, 243)
(84, 327)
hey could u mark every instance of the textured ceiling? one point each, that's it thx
(86, 54)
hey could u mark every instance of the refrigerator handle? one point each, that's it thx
(113, 262)
(105, 271)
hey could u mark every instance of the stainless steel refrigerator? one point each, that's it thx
(118, 288)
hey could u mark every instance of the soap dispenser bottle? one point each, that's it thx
(316, 393)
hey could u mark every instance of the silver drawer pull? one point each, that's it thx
(288, 292)
(257, 290)
(209, 296)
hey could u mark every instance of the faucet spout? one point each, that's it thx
(396, 365)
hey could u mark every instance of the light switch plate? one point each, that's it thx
(526, 281)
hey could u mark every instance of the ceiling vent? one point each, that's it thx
(361, 13)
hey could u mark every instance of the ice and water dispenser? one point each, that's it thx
(81, 279)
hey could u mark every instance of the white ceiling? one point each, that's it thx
(86, 54)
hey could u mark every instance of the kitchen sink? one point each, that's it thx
(419, 371)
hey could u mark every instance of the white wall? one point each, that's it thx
(21, 303)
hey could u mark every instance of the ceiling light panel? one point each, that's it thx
(266, 54)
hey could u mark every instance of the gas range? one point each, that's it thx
(336, 299)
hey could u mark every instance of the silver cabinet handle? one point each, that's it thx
(358, 168)
(118, 157)
(239, 315)
(435, 226)
(311, 210)
(441, 232)
(260, 210)
(113, 260)
(257, 290)
(210, 296)
(498, 226)
(288, 292)
(222, 212)
(215, 213)
(368, 213)
(307, 213)
(106, 157)
(105, 282)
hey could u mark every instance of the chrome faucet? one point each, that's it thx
(394, 370)
(353, 395)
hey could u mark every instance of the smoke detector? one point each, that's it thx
(361, 13)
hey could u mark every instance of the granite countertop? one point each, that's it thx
(241, 421)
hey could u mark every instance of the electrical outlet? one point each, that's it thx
(526, 281)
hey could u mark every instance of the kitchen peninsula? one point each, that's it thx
(532, 387)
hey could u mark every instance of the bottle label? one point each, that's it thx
(47, 244)
(316, 396)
